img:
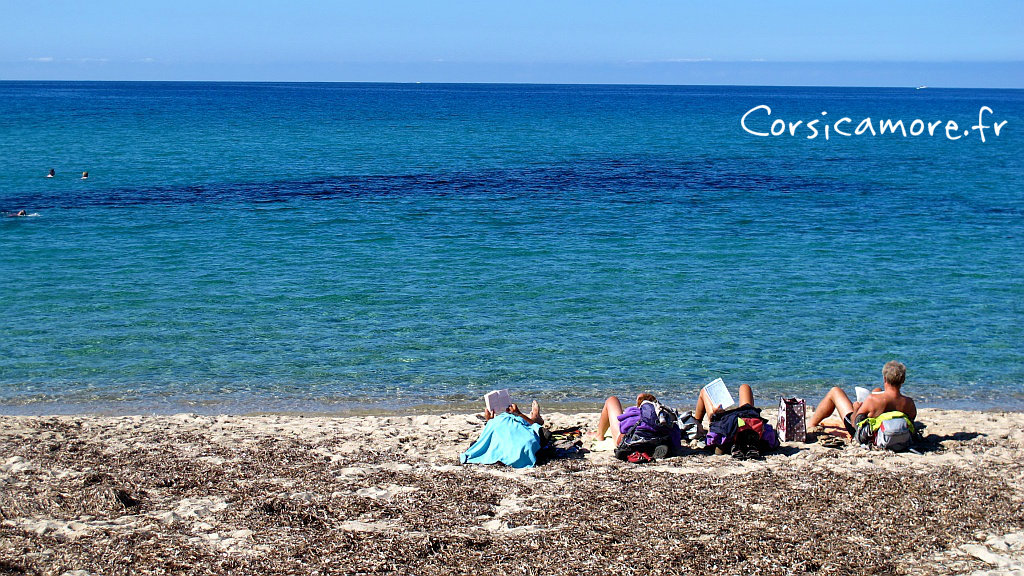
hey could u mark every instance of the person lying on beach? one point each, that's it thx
(642, 433)
(533, 418)
(611, 415)
(739, 430)
(880, 401)
(706, 407)
(511, 438)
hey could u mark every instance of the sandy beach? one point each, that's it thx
(189, 494)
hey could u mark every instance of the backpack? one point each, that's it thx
(725, 429)
(689, 427)
(656, 426)
(891, 431)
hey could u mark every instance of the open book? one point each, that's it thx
(719, 394)
(863, 393)
(497, 401)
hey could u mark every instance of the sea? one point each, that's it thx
(341, 247)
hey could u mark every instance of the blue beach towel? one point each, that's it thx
(507, 439)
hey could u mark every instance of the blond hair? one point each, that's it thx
(894, 373)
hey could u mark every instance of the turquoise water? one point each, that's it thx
(329, 247)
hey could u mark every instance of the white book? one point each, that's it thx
(497, 401)
(862, 393)
(719, 394)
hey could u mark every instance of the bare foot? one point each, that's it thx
(535, 413)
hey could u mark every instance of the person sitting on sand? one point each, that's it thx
(880, 401)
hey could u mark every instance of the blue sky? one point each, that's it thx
(825, 43)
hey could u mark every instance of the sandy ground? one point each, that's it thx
(189, 494)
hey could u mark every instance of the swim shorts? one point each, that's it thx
(851, 426)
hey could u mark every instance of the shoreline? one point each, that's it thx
(382, 494)
(467, 407)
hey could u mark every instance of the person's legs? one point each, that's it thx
(835, 400)
(703, 406)
(610, 419)
(533, 418)
(746, 395)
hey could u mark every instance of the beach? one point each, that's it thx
(332, 275)
(293, 494)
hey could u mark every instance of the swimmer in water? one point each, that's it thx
(85, 175)
(51, 174)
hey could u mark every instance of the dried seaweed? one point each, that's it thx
(569, 517)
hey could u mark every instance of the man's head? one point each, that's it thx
(894, 373)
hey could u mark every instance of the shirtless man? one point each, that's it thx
(878, 402)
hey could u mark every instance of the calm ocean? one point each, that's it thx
(330, 247)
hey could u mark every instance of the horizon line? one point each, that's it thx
(504, 83)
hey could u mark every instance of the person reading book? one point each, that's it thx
(736, 428)
(881, 400)
(533, 418)
(715, 398)
(509, 437)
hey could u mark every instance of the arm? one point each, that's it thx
(911, 411)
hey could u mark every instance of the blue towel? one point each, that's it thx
(508, 439)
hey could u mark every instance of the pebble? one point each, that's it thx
(169, 518)
(15, 464)
(985, 555)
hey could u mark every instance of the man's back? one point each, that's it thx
(889, 401)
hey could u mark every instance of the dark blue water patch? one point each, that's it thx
(303, 248)
(613, 181)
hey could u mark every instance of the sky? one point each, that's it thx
(940, 43)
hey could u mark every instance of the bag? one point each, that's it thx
(566, 443)
(656, 426)
(725, 424)
(792, 422)
(894, 435)
(769, 438)
(891, 431)
(689, 428)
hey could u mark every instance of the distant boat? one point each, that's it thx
(921, 87)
